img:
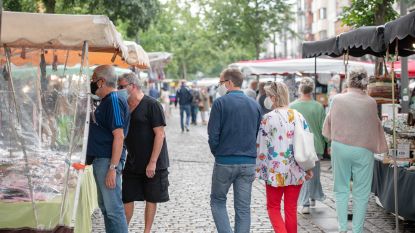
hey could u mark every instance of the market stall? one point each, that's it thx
(392, 180)
(44, 117)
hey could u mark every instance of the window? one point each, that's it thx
(323, 13)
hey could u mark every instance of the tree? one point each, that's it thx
(369, 13)
(195, 46)
(248, 22)
(136, 15)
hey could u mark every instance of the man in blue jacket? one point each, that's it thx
(233, 127)
(184, 98)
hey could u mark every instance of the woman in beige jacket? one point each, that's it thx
(356, 132)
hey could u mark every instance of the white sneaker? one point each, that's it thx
(304, 210)
(312, 203)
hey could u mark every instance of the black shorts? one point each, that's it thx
(138, 187)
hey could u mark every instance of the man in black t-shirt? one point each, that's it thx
(145, 177)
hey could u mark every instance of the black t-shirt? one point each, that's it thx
(140, 139)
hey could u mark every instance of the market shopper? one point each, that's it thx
(145, 176)
(275, 158)
(252, 90)
(355, 131)
(184, 98)
(261, 97)
(204, 105)
(109, 125)
(314, 114)
(194, 108)
(232, 130)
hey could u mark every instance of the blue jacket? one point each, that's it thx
(233, 128)
(183, 96)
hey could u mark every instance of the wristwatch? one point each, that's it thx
(113, 166)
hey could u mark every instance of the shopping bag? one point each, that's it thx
(304, 152)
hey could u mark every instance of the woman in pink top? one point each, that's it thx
(356, 132)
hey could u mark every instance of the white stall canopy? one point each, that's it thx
(305, 66)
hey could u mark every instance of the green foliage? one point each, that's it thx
(195, 47)
(368, 12)
(248, 22)
(22, 5)
(135, 15)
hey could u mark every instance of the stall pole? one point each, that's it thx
(71, 142)
(17, 128)
(315, 77)
(346, 63)
(404, 70)
(394, 154)
(84, 141)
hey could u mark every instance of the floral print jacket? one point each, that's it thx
(275, 163)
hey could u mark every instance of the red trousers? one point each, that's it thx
(274, 196)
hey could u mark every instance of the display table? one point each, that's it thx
(18, 217)
(382, 187)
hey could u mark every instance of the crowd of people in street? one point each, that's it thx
(255, 139)
(251, 134)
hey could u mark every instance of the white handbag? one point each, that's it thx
(304, 152)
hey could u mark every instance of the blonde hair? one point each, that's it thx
(306, 85)
(281, 93)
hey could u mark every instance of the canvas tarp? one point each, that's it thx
(136, 55)
(324, 47)
(362, 41)
(305, 66)
(402, 29)
(57, 31)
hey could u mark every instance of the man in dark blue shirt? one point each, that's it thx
(107, 129)
(184, 98)
(233, 127)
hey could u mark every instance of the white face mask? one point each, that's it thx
(222, 90)
(268, 103)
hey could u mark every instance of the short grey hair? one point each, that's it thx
(306, 85)
(132, 78)
(106, 72)
(358, 78)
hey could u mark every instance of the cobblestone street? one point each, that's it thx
(190, 180)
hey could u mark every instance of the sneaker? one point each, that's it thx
(187, 129)
(304, 210)
(312, 203)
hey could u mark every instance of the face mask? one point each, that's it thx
(222, 90)
(94, 87)
(268, 103)
(123, 93)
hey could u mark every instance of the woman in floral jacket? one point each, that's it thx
(275, 162)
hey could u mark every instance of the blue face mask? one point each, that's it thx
(123, 93)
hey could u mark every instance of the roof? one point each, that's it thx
(58, 31)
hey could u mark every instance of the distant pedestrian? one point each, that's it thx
(232, 129)
(261, 97)
(356, 133)
(145, 177)
(195, 103)
(251, 91)
(108, 127)
(184, 98)
(165, 101)
(314, 114)
(204, 105)
(153, 92)
(276, 164)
